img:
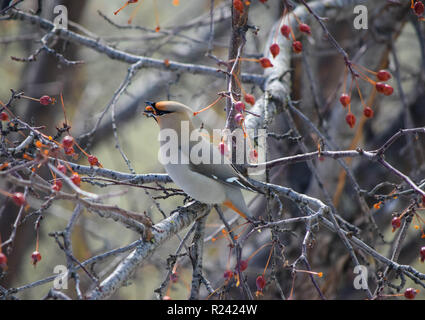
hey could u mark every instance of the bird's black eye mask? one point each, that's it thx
(152, 111)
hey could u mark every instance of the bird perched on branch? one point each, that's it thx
(214, 182)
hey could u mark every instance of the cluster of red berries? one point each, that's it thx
(287, 32)
(379, 85)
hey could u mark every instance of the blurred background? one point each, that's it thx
(184, 34)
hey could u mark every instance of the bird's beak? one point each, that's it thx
(150, 110)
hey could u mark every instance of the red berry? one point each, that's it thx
(61, 168)
(76, 179)
(36, 257)
(249, 98)
(46, 100)
(388, 90)
(350, 119)
(239, 118)
(383, 75)
(368, 112)
(167, 298)
(3, 260)
(274, 49)
(4, 116)
(286, 31)
(69, 151)
(93, 160)
(265, 63)
(67, 141)
(238, 5)
(396, 223)
(297, 46)
(242, 265)
(240, 106)
(418, 8)
(345, 99)
(422, 253)
(222, 147)
(260, 282)
(57, 186)
(410, 293)
(174, 277)
(263, 1)
(305, 28)
(19, 199)
(380, 87)
(228, 274)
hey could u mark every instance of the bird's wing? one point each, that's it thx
(225, 172)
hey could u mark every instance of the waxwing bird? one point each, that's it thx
(215, 182)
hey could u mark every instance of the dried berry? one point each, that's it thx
(76, 179)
